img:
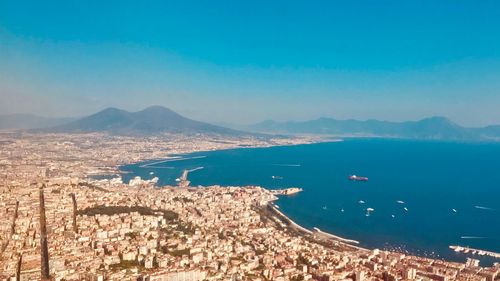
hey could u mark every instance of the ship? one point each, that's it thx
(357, 178)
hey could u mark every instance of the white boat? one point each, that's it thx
(324, 207)
(400, 202)
(454, 210)
(361, 202)
(406, 209)
(342, 210)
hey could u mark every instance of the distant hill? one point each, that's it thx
(29, 121)
(439, 128)
(150, 121)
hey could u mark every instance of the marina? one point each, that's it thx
(467, 250)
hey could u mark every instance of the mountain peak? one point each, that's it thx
(156, 108)
(111, 110)
(152, 120)
(437, 119)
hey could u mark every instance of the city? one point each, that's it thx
(250, 140)
(104, 229)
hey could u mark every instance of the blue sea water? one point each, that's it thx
(432, 178)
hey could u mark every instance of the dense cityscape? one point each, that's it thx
(60, 222)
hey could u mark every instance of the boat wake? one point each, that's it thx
(195, 169)
(484, 208)
(287, 165)
(156, 167)
(473, 237)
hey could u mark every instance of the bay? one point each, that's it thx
(451, 191)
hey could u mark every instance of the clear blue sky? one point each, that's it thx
(246, 61)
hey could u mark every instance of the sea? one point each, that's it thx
(425, 195)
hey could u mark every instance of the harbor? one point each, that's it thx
(286, 191)
(468, 250)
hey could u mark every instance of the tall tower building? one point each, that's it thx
(410, 273)
(44, 250)
(75, 209)
(360, 276)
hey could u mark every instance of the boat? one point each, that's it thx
(324, 207)
(454, 210)
(357, 178)
(400, 202)
(276, 177)
(342, 210)
(361, 202)
(406, 209)
(368, 211)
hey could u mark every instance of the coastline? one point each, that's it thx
(280, 215)
(306, 231)
(322, 235)
(178, 155)
(232, 222)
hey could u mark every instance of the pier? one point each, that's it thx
(286, 191)
(467, 250)
(183, 180)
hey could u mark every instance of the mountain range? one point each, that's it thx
(29, 121)
(439, 128)
(157, 119)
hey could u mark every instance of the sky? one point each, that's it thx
(248, 61)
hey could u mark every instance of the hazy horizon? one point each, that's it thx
(229, 123)
(224, 62)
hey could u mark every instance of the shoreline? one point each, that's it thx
(180, 156)
(172, 157)
(329, 236)
(316, 231)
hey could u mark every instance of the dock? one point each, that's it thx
(467, 250)
(286, 191)
(183, 180)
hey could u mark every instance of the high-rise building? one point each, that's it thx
(360, 276)
(410, 273)
(44, 250)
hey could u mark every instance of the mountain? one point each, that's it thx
(29, 121)
(150, 121)
(492, 132)
(428, 128)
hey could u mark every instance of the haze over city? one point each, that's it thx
(243, 63)
(257, 140)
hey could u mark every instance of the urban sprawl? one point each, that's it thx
(59, 222)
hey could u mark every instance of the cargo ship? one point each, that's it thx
(357, 178)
